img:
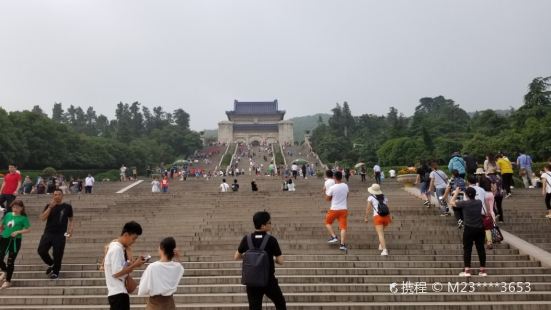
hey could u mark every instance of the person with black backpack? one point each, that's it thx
(381, 214)
(257, 250)
(235, 186)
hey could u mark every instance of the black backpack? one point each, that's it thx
(256, 264)
(382, 208)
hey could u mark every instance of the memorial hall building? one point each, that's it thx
(255, 123)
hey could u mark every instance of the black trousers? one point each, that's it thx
(9, 246)
(272, 291)
(507, 181)
(499, 206)
(363, 177)
(5, 201)
(378, 177)
(458, 213)
(119, 302)
(55, 242)
(477, 236)
(87, 189)
(548, 201)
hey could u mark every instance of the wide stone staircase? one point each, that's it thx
(421, 271)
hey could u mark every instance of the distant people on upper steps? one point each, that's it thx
(155, 185)
(224, 187)
(254, 187)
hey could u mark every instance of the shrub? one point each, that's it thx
(48, 172)
(112, 175)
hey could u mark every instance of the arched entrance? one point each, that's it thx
(255, 140)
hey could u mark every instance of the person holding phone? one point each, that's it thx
(160, 279)
(118, 265)
(58, 216)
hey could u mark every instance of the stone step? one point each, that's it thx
(298, 298)
(521, 305)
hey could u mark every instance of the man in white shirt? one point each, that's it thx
(438, 185)
(329, 181)
(377, 172)
(546, 188)
(294, 170)
(123, 173)
(338, 195)
(224, 187)
(88, 184)
(118, 266)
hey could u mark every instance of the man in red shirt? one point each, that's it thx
(10, 187)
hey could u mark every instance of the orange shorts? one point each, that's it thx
(339, 215)
(382, 220)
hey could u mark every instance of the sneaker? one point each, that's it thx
(531, 186)
(384, 252)
(54, 276)
(465, 273)
(426, 203)
(343, 248)
(333, 239)
(445, 214)
(508, 195)
(49, 270)
(459, 224)
(482, 273)
(548, 216)
(5, 285)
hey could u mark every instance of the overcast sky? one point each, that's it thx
(201, 55)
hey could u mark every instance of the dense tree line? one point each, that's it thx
(79, 139)
(437, 128)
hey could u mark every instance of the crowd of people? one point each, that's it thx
(474, 195)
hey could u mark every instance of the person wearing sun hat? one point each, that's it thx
(374, 200)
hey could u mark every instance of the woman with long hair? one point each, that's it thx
(490, 163)
(160, 279)
(14, 225)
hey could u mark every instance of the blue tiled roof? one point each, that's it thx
(247, 108)
(256, 127)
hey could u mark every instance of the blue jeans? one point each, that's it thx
(439, 193)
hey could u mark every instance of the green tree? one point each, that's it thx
(538, 95)
(58, 115)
